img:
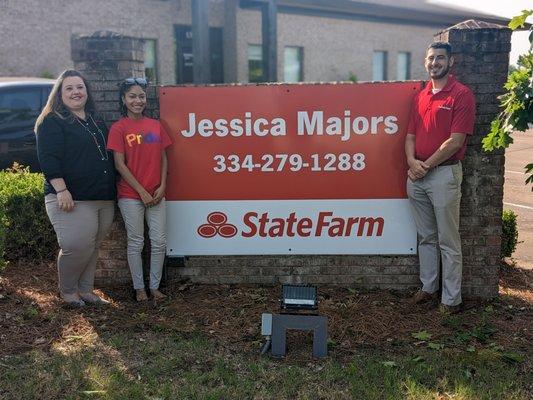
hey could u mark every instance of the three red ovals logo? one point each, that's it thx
(217, 225)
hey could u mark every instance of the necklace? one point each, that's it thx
(103, 154)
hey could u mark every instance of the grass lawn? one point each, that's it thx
(203, 343)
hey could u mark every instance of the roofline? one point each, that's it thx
(346, 9)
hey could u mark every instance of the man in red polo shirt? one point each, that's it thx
(442, 116)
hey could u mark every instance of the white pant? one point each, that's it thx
(134, 213)
(435, 201)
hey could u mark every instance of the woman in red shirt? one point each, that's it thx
(139, 144)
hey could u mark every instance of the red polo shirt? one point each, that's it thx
(434, 117)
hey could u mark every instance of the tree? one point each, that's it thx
(517, 102)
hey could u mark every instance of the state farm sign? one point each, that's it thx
(288, 169)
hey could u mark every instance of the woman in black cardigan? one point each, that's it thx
(79, 183)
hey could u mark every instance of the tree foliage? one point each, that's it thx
(516, 102)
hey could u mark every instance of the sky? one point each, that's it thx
(502, 8)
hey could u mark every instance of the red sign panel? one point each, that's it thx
(287, 142)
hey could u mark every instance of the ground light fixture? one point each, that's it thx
(298, 311)
(296, 298)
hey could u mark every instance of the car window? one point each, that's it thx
(19, 104)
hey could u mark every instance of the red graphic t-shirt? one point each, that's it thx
(141, 141)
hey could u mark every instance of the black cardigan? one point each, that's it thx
(67, 150)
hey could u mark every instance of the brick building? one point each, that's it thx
(319, 40)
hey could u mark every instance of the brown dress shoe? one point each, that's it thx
(423, 297)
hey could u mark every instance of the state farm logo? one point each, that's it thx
(217, 225)
(324, 223)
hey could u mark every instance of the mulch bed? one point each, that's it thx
(32, 316)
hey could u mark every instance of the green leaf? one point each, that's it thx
(418, 359)
(529, 170)
(471, 349)
(462, 337)
(436, 346)
(520, 20)
(469, 372)
(513, 357)
(390, 364)
(422, 335)
(483, 332)
(90, 392)
(495, 346)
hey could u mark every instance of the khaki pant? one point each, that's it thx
(79, 234)
(435, 201)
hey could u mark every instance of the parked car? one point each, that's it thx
(21, 101)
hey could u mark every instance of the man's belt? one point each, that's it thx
(448, 162)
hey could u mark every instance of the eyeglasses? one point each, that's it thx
(136, 81)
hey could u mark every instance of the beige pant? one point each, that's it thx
(435, 201)
(79, 234)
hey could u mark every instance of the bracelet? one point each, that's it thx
(61, 191)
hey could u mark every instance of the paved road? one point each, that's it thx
(519, 197)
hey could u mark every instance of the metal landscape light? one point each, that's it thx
(299, 311)
(295, 298)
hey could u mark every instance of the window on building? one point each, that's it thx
(255, 63)
(293, 64)
(150, 60)
(379, 66)
(403, 66)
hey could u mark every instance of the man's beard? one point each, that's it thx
(442, 74)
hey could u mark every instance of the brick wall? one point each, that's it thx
(481, 52)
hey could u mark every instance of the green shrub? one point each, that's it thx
(47, 75)
(509, 233)
(25, 231)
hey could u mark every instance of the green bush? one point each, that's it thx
(25, 231)
(509, 233)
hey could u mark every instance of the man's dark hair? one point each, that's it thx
(441, 45)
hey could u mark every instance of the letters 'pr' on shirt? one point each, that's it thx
(434, 117)
(141, 141)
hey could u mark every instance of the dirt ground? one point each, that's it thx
(32, 317)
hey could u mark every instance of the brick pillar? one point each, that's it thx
(481, 51)
(105, 59)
